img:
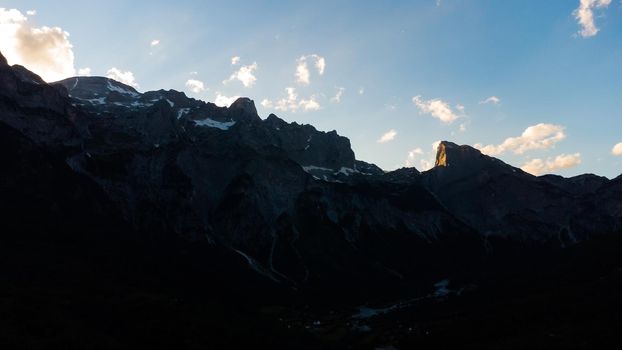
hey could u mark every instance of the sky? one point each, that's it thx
(535, 83)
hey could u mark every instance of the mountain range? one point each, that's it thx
(158, 220)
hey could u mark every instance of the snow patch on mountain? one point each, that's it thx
(346, 171)
(214, 124)
(99, 101)
(310, 168)
(121, 90)
(182, 111)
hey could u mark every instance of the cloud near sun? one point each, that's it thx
(46, 51)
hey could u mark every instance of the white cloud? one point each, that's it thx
(617, 149)
(288, 103)
(563, 161)
(320, 64)
(437, 108)
(337, 97)
(463, 127)
(412, 156)
(490, 100)
(309, 105)
(416, 151)
(235, 60)
(86, 71)
(426, 164)
(31, 12)
(126, 77)
(540, 136)
(291, 103)
(585, 16)
(267, 103)
(245, 75)
(155, 42)
(44, 50)
(361, 91)
(195, 86)
(303, 75)
(11, 16)
(387, 136)
(224, 101)
(534, 166)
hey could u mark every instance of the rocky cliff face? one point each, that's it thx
(38, 110)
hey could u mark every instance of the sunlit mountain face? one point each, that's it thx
(168, 178)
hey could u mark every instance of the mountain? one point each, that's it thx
(271, 191)
(500, 200)
(173, 218)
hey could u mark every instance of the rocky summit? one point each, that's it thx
(144, 218)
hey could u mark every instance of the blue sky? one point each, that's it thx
(421, 69)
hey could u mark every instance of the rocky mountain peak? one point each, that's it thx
(107, 96)
(244, 108)
(465, 158)
(275, 121)
(449, 153)
(87, 88)
(245, 104)
(3, 61)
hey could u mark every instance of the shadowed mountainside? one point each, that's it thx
(156, 220)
